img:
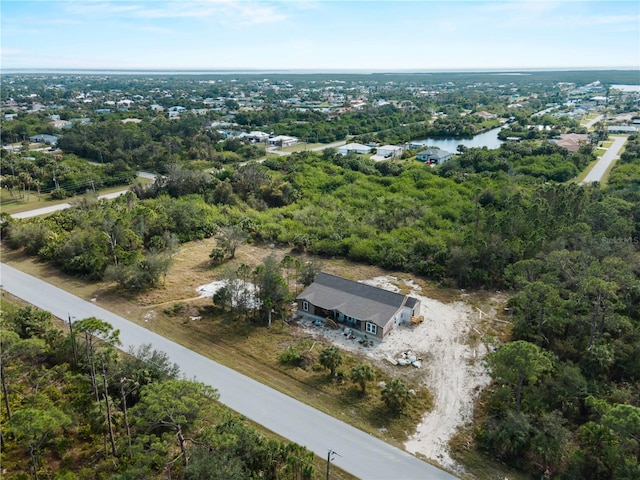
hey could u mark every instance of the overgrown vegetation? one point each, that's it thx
(75, 408)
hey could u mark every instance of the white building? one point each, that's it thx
(388, 151)
(354, 148)
(257, 136)
(283, 141)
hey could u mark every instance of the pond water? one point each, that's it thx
(627, 88)
(487, 139)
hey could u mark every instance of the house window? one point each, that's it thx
(305, 305)
(371, 328)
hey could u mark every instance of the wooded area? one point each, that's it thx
(75, 407)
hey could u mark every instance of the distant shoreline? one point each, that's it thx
(491, 71)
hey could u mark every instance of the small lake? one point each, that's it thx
(487, 139)
(627, 88)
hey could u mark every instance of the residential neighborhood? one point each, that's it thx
(377, 249)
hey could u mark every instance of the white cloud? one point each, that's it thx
(6, 52)
(236, 12)
(158, 30)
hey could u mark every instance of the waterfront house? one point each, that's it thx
(433, 156)
(388, 151)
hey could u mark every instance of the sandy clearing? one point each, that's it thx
(452, 369)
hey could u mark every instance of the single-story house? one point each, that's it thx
(44, 138)
(433, 156)
(61, 123)
(257, 136)
(363, 308)
(283, 141)
(354, 148)
(622, 129)
(486, 115)
(389, 151)
(573, 141)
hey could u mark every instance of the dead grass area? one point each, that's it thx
(250, 349)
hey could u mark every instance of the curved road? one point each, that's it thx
(593, 121)
(361, 454)
(599, 169)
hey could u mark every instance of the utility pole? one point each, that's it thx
(329, 459)
(74, 348)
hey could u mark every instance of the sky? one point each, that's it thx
(319, 35)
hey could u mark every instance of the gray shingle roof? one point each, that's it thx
(358, 300)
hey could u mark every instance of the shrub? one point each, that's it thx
(290, 356)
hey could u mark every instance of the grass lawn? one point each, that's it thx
(31, 202)
(300, 147)
(588, 118)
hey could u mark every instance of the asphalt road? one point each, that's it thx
(361, 454)
(62, 206)
(599, 169)
(593, 121)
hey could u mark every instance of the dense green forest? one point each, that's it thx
(74, 408)
(462, 223)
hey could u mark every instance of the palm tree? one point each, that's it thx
(395, 395)
(331, 359)
(361, 374)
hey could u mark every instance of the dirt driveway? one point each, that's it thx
(451, 342)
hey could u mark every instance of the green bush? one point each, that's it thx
(290, 356)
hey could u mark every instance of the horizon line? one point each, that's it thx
(362, 71)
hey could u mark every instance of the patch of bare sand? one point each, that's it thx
(452, 366)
